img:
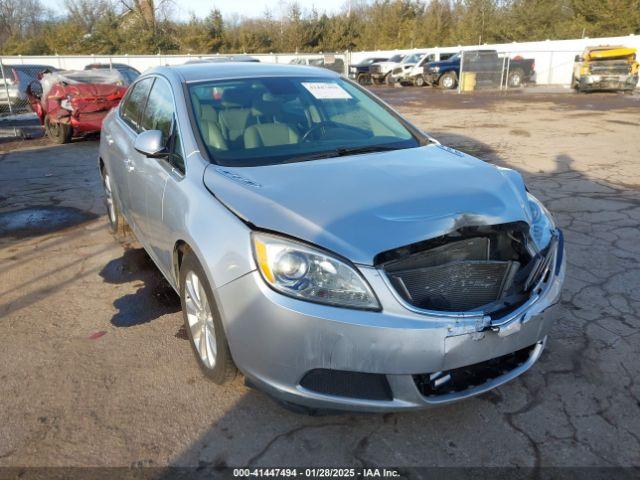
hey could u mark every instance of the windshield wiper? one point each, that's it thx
(312, 156)
(343, 151)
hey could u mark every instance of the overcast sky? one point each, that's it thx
(182, 9)
(248, 8)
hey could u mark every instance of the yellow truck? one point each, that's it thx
(605, 68)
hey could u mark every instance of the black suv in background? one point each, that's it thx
(360, 71)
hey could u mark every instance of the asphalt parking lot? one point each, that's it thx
(95, 368)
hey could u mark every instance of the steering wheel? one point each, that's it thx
(322, 126)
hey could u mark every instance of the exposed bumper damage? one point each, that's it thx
(607, 82)
(71, 99)
(404, 357)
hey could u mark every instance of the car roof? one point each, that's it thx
(22, 66)
(198, 72)
(102, 66)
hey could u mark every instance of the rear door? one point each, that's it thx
(120, 144)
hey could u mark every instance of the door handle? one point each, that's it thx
(110, 140)
(128, 164)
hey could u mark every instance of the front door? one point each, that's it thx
(154, 173)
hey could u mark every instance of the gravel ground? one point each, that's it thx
(95, 369)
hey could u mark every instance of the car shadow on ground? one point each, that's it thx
(154, 296)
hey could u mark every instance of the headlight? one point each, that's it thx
(542, 223)
(352, 70)
(304, 272)
(66, 104)
(435, 69)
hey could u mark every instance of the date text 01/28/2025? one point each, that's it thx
(316, 472)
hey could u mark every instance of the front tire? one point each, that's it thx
(419, 81)
(57, 132)
(448, 81)
(363, 79)
(203, 324)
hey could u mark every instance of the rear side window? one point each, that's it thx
(134, 103)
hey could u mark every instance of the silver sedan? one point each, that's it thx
(324, 246)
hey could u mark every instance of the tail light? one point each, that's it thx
(533, 66)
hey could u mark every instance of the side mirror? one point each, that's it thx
(578, 58)
(150, 144)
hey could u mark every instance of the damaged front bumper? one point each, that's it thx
(607, 82)
(399, 358)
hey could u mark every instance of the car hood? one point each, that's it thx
(362, 205)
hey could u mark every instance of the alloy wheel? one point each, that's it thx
(200, 320)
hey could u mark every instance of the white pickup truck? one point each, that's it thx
(380, 70)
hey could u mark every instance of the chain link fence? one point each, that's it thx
(18, 73)
(14, 81)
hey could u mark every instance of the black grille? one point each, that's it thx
(368, 386)
(459, 379)
(457, 276)
(456, 286)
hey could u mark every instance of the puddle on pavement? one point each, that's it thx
(154, 296)
(33, 221)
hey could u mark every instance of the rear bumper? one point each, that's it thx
(276, 341)
(84, 123)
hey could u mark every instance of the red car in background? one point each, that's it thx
(74, 103)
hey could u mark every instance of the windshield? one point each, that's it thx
(413, 58)
(265, 121)
(396, 58)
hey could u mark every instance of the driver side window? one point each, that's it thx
(159, 114)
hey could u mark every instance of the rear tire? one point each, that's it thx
(117, 223)
(515, 79)
(448, 81)
(57, 132)
(363, 79)
(203, 324)
(388, 79)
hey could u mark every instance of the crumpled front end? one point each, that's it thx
(609, 74)
(464, 263)
(403, 357)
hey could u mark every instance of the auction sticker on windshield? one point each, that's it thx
(326, 90)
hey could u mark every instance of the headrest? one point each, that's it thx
(236, 98)
(266, 105)
(209, 113)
